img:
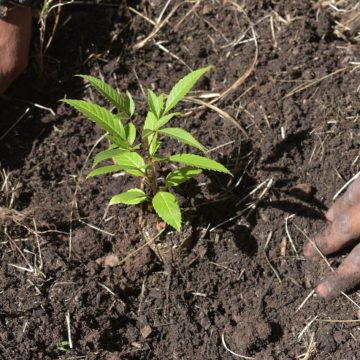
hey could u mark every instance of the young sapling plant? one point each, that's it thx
(137, 152)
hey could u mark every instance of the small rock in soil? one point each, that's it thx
(111, 260)
(146, 331)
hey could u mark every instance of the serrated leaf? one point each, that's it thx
(150, 133)
(182, 87)
(101, 116)
(155, 103)
(104, 170)
(159, 158)
(105, 90)
(183, 136)
(167, 207)
(179, 176)
(147, 132)
(130, 197)
(132, 162)
(161, 101)
(107, 154)
(129, 104)
(200, 162)
(154, 143)
(130, 133)
(118, 142)
(165, 119)
(149, 124)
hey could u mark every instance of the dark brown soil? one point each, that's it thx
(300, 108)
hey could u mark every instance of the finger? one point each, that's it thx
(349, 199)
(336, 235)
(344, 278)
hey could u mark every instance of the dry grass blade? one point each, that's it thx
(288, 234)
(307, 327)
(232, 352)
(345, 321)
(29, 268)
(142, 15)
(347, 19)
(249, 71)
(160, 45)
(156, 28)
(222, 113)
(310, 348)
(303, 87)
(276, 273)
(312, 292)
(96, 228)
(68, 328)
(140, 248)
(47, 7)
(11, 215)
(3, 136)
(197, 3)
(345, 186)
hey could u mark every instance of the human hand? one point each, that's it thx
(343, 229)
(15, 34)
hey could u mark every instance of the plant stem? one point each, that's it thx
(153, 177)
(152, 169)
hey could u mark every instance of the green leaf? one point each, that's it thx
(107, 154)
(167, 207)
(132, 162)
(130, 133)
(150, 124)
(104, 170)
(150, 133)
(179, 176)
(129, 104)
(182, 87)
(130, 197)
(106, 91)
(154, 144)
(159, 158)
(102, 117)
(118, 142)
(183, 136)
(161, 102)
(165, 119)
(155, 103)
(63, 346)
(135, 172)
(200, 162)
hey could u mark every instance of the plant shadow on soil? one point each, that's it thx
(222, 206)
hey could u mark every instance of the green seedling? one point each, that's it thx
(63, 346)
(141, 158)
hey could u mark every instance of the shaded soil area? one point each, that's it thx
(288, 73)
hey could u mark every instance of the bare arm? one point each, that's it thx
(15, 34)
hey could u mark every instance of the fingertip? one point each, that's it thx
(330, 215)
(358, 314)
(309, 251)
(323, 290)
